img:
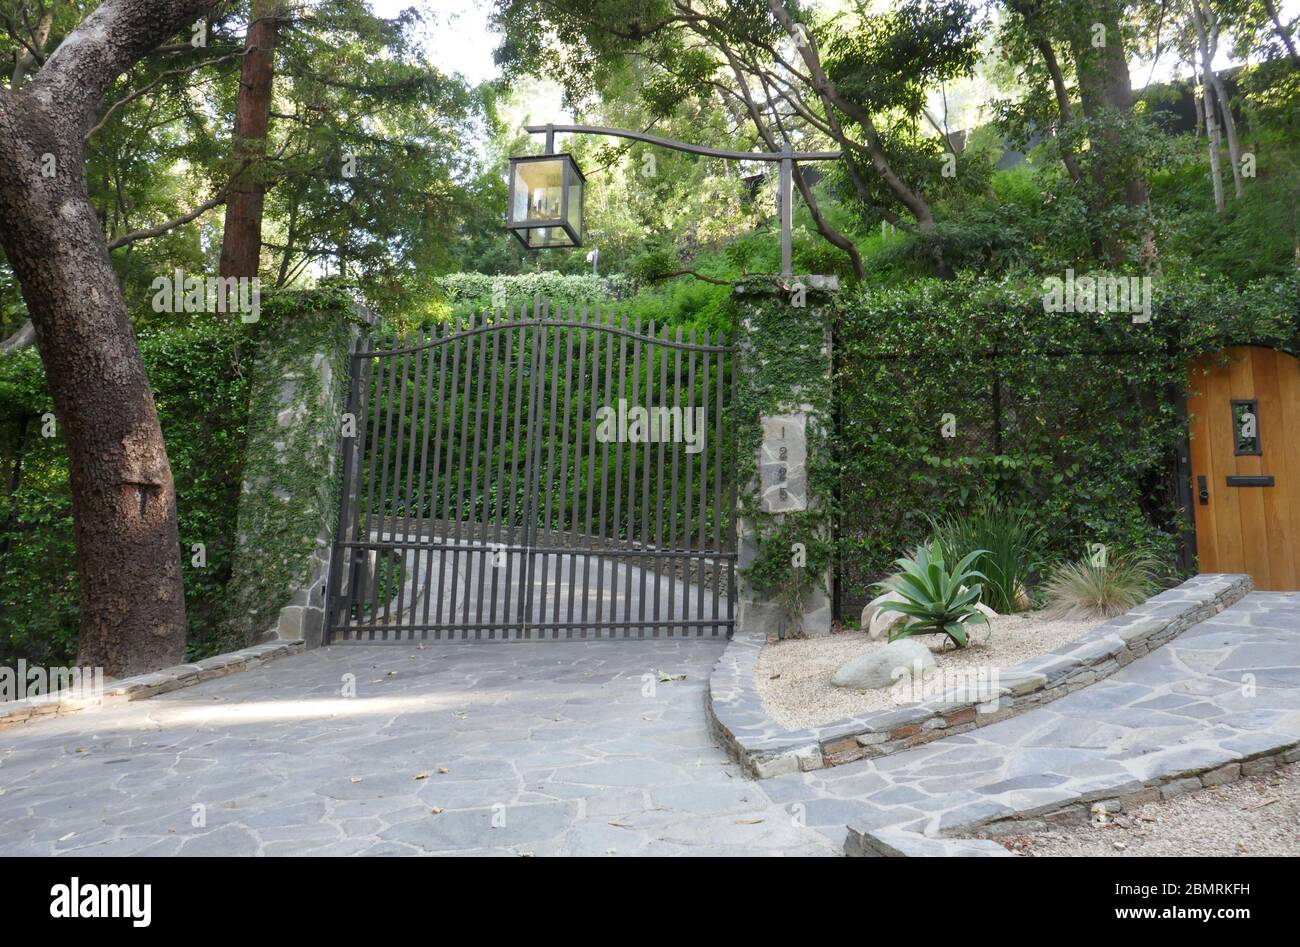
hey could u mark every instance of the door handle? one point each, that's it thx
(1203, 490)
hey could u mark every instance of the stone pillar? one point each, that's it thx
(785, 468)
(288, 506)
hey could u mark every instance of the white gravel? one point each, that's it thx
(794, 676)
(1255, 816)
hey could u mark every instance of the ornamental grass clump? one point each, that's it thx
(934, 599)
(1008, 540)
(1095, 587)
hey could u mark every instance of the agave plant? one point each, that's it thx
(934, 599)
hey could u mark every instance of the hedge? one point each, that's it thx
(200, 388)
(1074, 414)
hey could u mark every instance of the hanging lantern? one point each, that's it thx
(545, 203)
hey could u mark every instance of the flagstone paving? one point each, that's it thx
(1220, 700)
(506, 748)
(581, 748)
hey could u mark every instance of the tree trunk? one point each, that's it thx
(1207, 98)
(1106, 94)
(1197, 103)
(912, 199)
(1211, 20)
(1230, 127)
(1062, 106)
(1281, 31)
(241, 242)
(123, 498)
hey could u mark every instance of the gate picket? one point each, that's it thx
(518, 404)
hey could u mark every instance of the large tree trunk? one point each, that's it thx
(241, 244)
(1106, 94)
(123, 498)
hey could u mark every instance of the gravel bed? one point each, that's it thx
(1255, 816)
(794, 676)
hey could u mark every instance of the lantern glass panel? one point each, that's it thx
(538, 190)
(575, 201)
(540, 238)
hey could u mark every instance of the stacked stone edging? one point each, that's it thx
(764, 748)
(910, 841)
(143, 686)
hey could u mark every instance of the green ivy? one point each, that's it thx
(197, 376)
(291, 476)
(782, 349)
(1088, 404)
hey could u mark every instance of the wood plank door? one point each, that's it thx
(1245, 449)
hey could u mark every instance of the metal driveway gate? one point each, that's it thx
(550, 475)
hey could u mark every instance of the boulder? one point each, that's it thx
(875, 620)
(875, 669)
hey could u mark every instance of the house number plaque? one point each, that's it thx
(782, 464)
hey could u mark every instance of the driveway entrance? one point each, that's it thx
(549, 475)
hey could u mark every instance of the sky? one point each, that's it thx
(457, 30)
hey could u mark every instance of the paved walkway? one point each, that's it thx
(559, 748)
(1226, 689)
(579, 748)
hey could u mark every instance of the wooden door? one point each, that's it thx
(1245, 451)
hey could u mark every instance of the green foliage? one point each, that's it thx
(889, 61)
(197, 375)
(376, 167)
(1255, 236)
(1008, 538)
(937, 600)
(785, 360)
(1072, 415)
(291, 469)
(1089, 588)
(774, 573)
(479, 292)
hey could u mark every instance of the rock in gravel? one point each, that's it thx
(876, 668)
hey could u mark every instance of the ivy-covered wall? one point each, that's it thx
(952, 389)
(785, 465)
(288, 505)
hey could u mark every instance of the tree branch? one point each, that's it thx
(112, 38)
(172, 224)
(144, 90)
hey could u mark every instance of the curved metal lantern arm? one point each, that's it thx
(550, 130)
(787, 160)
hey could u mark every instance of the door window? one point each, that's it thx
(1245, 426)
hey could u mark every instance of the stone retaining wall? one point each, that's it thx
(738, 719)
(896, 842)
(143, 686)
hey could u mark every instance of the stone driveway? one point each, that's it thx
(509, 749)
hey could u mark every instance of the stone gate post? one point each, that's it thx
(288, 505)
(785, 470)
